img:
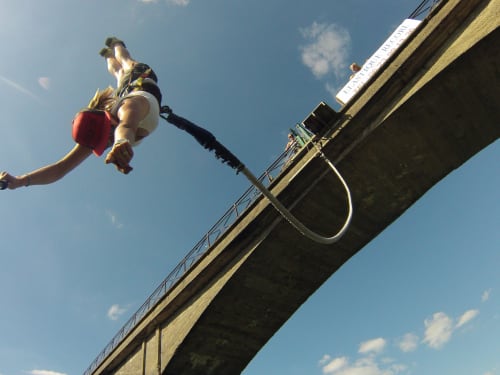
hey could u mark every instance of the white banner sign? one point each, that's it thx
(376, 60)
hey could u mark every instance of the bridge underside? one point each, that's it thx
(433, 107)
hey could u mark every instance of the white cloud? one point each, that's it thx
(335, 365)
(44, 82)
(367, 364)
(116, 311)
(363, 366)
(327, 50)
(408, 343)
(374, 346)
(438, 330)
(467, 317)
(486, 295)
(45, 372)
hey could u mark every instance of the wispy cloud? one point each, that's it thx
(114, 219)
(19, 88)
(369, 362)
(44, 82)
(115, 311)
(439, 328)
(327, 49)
(438, 331)
(372, 346)
(367, 365)
(466, 317)
(331, 366)
(45, 372)
(486, 295)
(408, 343)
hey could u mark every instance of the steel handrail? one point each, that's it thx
(425, 7)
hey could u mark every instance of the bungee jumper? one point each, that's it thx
(121, 118)
(118, 119)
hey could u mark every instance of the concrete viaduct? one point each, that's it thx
(432, 106)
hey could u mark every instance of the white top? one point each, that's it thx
(150, 122)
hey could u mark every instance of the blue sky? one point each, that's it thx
(80, 256)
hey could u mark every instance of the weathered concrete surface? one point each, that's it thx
(434, 106)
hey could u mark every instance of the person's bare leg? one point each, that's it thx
(115, 69)
(113, 64)
(123, 57)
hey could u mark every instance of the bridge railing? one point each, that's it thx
(425, 7)
(301, 137)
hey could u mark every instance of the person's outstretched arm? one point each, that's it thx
(49, 173)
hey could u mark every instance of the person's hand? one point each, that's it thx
(120, 155)
(11, 181)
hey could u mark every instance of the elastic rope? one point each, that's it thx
(293, 220)
(208, 140)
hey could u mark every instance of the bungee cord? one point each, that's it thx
(208, 141)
